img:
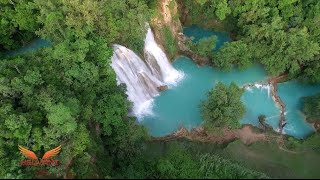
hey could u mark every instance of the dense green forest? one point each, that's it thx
(67, 94)
(178, 162)
(283, 35)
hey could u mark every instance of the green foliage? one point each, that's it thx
(204, 46)
(311, 72)
(281, 35)
(122, 21)
(231, 54)
(311, 107)
(175, 16)
(17, 23)
(282, 51)
(312, 142)
(62, 103)
(76, 20)
(292, 143)
(215, 167)
(178, 161)
(67, 94)
(222, 9)
(169, 42)
(223, 107)
(129, 18)
(178, 164)
(207, 10)
(171, 6)
(277, 34)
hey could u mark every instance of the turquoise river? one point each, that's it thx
(179, 106)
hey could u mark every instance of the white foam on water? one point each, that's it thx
(143, 78)
(158, 62)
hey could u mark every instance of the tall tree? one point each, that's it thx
(204, 46)
(233, 54)
(311, 107)
(223, 107)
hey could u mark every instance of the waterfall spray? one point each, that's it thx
(158, 61)
(142, 79)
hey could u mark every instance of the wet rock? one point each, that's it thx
(315, 123)
(182, 132)
(163, 88)
(198, 59)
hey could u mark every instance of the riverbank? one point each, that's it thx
(246, 135)
(264, 156)
(274, 91)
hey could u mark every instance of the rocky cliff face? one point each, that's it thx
(168, 17)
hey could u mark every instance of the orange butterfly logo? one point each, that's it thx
(32, 155)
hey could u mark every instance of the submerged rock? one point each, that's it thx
(163, 88)
(317, 126)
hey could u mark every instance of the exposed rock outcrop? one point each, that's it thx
(200, 60)
(315, 123)
(273, 81)
(165, 18)
(163, 88)
(168, 17)
(316, 126)
(245, 134)
(183, 11)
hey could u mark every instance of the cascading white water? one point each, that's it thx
(158, 62)
(262, 86)
(131, 70)
(142, 80)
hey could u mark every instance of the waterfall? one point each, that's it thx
(263, 86)
(268, 87)
(142, 78)
(158, 62)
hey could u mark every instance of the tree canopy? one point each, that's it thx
(232, 54)
(281, 35)
(203, 46)
(67, 94)
(180, 162)
(223, 107)
(18, 22)
(311, 107)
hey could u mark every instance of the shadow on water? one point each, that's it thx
(31, 47)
